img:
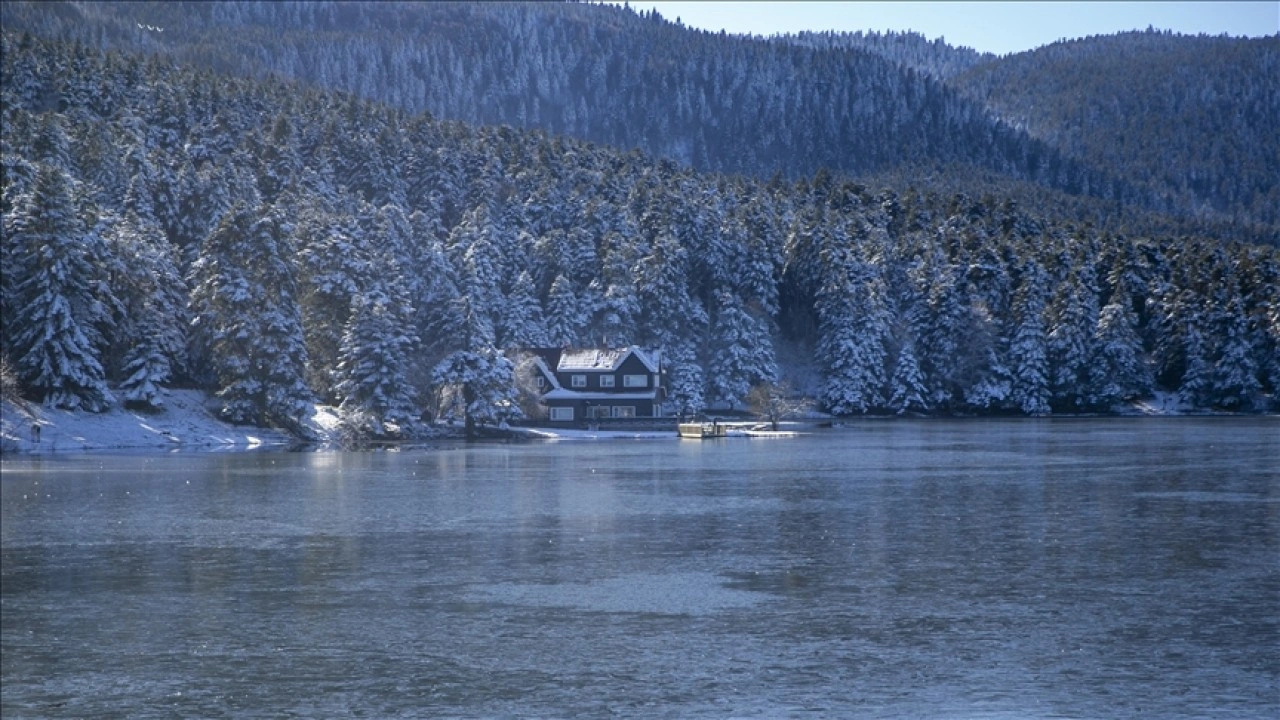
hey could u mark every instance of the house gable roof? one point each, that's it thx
(541, 362)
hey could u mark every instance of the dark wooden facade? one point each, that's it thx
(581, 386)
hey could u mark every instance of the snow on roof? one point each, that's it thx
(591, 359)
(607, 359)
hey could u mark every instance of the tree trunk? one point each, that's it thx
(469, 422)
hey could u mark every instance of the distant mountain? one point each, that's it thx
(1180, 125)
(1190, 120)
(850, 104)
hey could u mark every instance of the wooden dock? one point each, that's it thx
(702, 430)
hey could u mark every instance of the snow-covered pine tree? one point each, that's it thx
(247, 320)
(1265, 276)
(1172, 311)
(740, 351)
(853, 327)
(1195, 386)
(672, 320)
(617, 306)
(1118, 371)
(476, 251)
(474, 378)
(1233, 382)
(907, 389)
(476, 381)
(53, 303)
(373, 361)
(1028, 361)
(757, 280)
(661, 285)
(984, 344)
(566, 318)
(940, 329)
(435, 290)
(150, 341)
(684, 380)
(1072, 321)
(334, 263)
(520, 324)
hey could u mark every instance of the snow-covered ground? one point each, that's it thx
(1162, 403)
(185, 423)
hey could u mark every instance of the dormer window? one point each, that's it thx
(606, 381)
(578, 381)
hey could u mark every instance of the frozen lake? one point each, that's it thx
(1117, 568)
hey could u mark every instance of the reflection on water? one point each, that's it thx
(1065, 568)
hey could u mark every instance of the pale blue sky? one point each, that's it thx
(998, 27)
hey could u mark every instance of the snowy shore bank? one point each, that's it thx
(187, 424)
(184, 424)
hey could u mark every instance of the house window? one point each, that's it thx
(541, 381)
(624, 411)
(598, 411)
(634, 381)
(606, 381)
(562, 413)
(578, 381)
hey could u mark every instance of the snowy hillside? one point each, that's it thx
(278, 247)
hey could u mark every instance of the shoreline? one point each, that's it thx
(187, 425)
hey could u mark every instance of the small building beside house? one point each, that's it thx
(586, 385)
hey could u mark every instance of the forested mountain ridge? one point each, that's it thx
(602, 73)
(909, 49)
(277, 244)
(1191, 120)
(855, 104)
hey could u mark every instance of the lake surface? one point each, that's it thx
(1100, 568)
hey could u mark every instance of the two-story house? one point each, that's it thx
(586, 385)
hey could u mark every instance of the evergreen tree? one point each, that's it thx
(476, 380)
(1194, 388)
(520, 324)
(741, 352)
(334, 264)
(1233, 382)
(853, 327)
(1028, 362)
(684, 380)
(150, 340)
(52, 307)
(566, 318)
(1118, 371)
(1072, 323)
(372, 369)
(942, 332)
(247, 322)
(907, 389)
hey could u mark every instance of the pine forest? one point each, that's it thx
(379, 206)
